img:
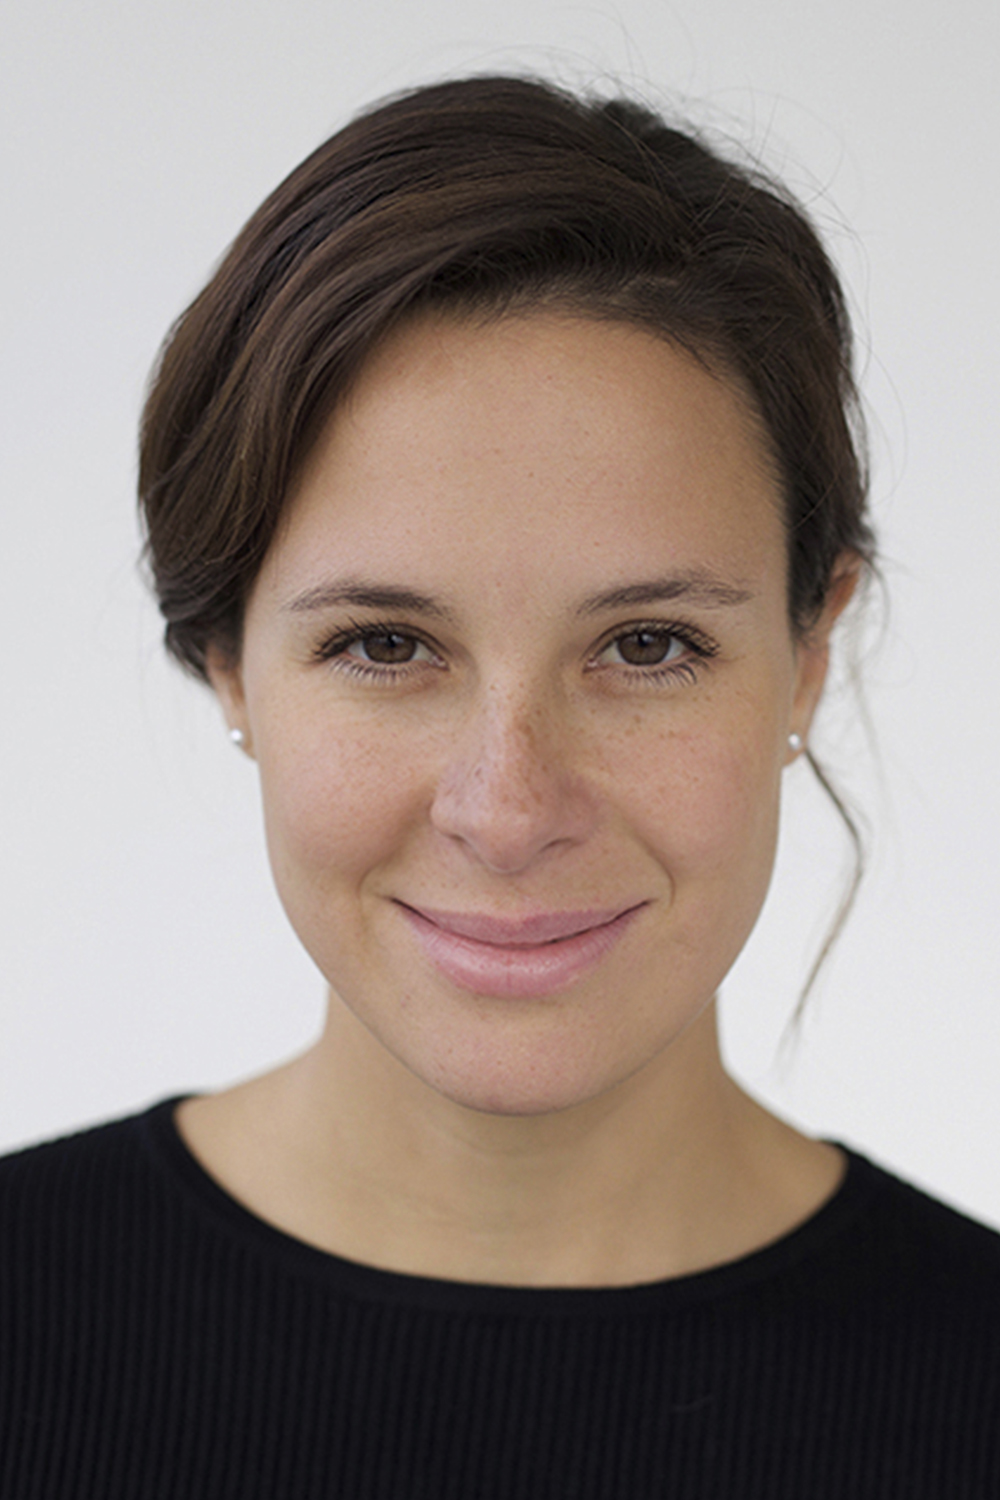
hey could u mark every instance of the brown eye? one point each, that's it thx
(387, 648)
(647, 648)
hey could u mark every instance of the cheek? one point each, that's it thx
(337, 800)
(707, 806)
(711, 822)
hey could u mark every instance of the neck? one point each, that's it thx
(674, 1170)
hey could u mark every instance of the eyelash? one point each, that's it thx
(701, 647)
(334, 650)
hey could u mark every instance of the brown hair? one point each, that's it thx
(487, 194)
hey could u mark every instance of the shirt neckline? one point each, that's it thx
(296, 1257)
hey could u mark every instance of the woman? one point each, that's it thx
(502, 485)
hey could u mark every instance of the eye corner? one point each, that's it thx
(674, 650)
(385, 664)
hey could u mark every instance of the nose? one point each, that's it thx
(509, 791)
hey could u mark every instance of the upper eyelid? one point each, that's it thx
(357, 630)
(698, 640)
(690, 635)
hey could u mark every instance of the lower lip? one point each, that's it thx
(520, 973)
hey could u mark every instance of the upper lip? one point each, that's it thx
(520, 932)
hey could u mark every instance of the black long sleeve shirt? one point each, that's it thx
(158, 1340)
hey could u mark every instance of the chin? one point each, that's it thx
(517, 1101)
(522, 1081)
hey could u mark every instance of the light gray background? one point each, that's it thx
(143, 951)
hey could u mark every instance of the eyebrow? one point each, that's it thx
(369, 596)
(697, 588)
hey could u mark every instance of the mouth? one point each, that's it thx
(521, 957)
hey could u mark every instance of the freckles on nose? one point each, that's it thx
(507, 793)
(502, 771)
(516, 776)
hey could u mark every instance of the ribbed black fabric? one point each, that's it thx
(156, 1340)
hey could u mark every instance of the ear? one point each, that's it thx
(226, 677)
(812, 651)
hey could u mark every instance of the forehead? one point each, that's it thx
(534, 446)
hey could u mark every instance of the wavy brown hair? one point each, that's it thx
(484, 196)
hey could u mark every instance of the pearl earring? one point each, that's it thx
(238, 738)
(795, 743)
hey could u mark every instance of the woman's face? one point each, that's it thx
(519, 678)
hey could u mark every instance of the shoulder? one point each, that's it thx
(111, 1140)
(910, 1219)
(897, 1250)
(63, 1192)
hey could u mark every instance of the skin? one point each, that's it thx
(532, 754)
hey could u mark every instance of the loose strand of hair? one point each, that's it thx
(791, 1032)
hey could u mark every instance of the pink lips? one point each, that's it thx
(524, 957)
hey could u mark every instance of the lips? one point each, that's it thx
(520, 957)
